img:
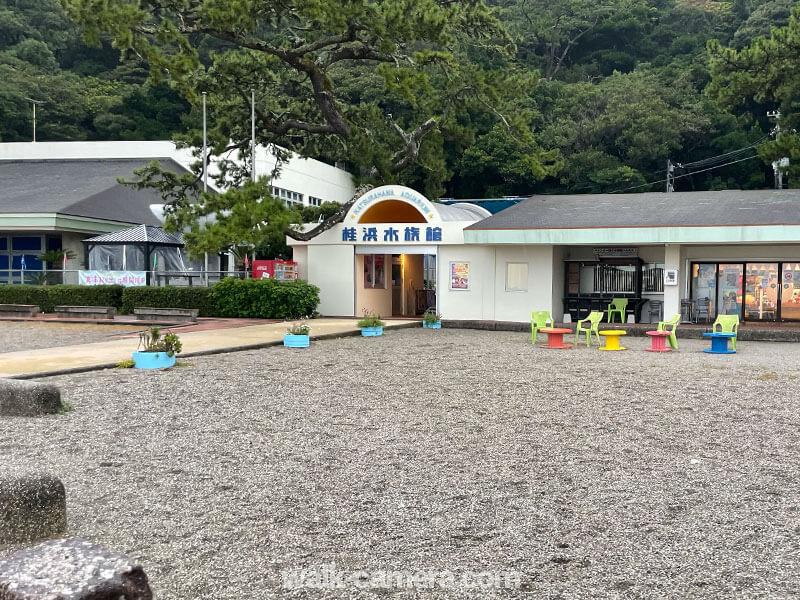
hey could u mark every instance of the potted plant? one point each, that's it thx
(371, 324)
(156, 352)
(297, 335)
(431, 320)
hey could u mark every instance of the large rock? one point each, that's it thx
(28, 399)
(32, 507)
(72, 569)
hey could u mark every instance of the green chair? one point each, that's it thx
(727, 324)
(618, 306)
(539, 319)
(593, 320)
(671, 326)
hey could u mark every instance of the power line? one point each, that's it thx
(721, 157)
(633, 187)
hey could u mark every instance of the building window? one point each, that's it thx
(653, 278)
(289, 197)
(314, 201)
(374, 271)
(516, 277)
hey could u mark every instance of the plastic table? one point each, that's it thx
(555, 337)
(659, 339)
(612, 339)
(719, 343)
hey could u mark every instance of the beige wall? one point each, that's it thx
(331, 269)
(373, 300)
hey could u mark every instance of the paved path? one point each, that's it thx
(85, 357)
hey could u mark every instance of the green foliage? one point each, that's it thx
(265, 298)
(47, 297)
(370, 320)
(430, 316)
(170, 297)
(760, 77)
(152, 341)
(126, 364)
(301, 328)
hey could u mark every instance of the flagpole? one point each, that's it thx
(253, 133)
(205, 179)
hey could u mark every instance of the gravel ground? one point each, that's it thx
(592, 474)
(29, 335)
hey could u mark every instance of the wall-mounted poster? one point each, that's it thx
(671, 277)
(459, 276)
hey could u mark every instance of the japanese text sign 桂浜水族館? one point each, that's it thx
(392, 234)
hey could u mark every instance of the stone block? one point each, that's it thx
(19, 310)
(28, 399)
(72, 569)
(32, 507)
(86, 312)
(148, 313)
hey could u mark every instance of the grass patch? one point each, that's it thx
(66, 407)
(767, 376)
(184, 363)
(126, 364)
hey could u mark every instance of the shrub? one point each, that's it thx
(170, 297)
(47, 297)
(265, 298)
(370, 320)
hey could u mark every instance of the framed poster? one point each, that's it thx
(459, 275)
(671, 277)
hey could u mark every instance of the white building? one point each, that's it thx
(53, 195)
(726, 252)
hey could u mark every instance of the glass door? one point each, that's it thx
(761, 292)
(790, 294)
(704, 281)
(729, 289)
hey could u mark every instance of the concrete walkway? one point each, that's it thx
(86, 357)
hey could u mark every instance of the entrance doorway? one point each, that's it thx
(413, 284)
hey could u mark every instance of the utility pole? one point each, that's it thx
(205, 179)
(34, 102)
(777, 165)
(670, 176)
(253, 133)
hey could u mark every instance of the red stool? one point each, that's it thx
(659, 339)
(555, 337)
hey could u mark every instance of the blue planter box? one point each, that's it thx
(153, 360)
(295, 341)
(371, 331)
(436, 325)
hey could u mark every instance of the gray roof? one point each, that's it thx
(677, 209)
(141, 234)
(83, 188)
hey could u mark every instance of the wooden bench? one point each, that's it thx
(86, 312)
(145, 313)
(19, 310)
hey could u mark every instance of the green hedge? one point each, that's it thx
(265, 298)
(170, 297)
(47, 297)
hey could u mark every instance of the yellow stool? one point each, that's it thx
(612, 339)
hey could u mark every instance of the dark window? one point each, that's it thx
(26, 243)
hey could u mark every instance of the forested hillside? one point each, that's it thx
(604, 93)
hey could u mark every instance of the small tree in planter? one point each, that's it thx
(156, 352)
(371, 324)
(297, 335)
(431, 320)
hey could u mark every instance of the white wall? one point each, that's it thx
(331, 268)
(487, 298)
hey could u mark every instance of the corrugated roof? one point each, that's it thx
(678, 209)
(141, 234)
(84, 188)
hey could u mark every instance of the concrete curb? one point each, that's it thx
(100, 367)
(27, 399)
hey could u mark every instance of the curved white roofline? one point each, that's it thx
(432, 211)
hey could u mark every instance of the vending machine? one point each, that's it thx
(282, 270)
